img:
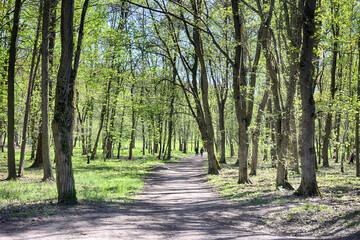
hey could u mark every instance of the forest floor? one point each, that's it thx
(176, 203)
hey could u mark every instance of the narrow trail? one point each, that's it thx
(176, 204)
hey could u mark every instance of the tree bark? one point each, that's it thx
(171, 125)
(64, 97)
(222, 131)
(208, 135)
(120, 132)
(102, 118)
(256, 133)
(160, 130)
(221, 96)
(293, 21)
(29, 94)
(133, 123)
(337, 140)
(38, 162)
(357, 120)
(232, 152)
(335, 31)
(272, 135)
(11, 92)
(48, 175)
(239, 86)
(110, 134)
(171, 115)
(294, 145)
(52, 37)
(320, 138)
(308, 185)
(63, 115)
(89, 126)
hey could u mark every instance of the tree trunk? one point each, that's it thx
(282, 113)
(90, 126)
(232, 152)
(222, 131)
(121, 131)
(344, 141)
(308, 185)
(63, 109)
(1, 138)
(160, 130)
(102, 118)
(64, 97)
(48, 175)
(11, 91)
(337, 141)
(180, 142)
(357, 120)
(29, 94)
(256, 133)
(143, 138)
(133, 123)
(33, 137)
(208, 131)
(52, 37)
(272, 136)
(239, 86)
(38, 162)
(294, 145)
(325, 150)
(320, 137)
(171, 115)
(174, 139)
(110, 134)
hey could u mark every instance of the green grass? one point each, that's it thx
(113, 180)
(338, 211)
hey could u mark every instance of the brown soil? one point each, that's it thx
(175, 204)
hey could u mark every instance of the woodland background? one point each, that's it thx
(108, 78)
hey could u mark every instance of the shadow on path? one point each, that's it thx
(175, 204)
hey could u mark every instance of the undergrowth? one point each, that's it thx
(336, 213)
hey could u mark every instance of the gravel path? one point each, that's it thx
(175, 204)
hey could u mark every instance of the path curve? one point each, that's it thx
(176, 204)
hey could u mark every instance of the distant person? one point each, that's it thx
(196, 151)
(334, 155)
(202, 151)
(125, 147)
(352, 157)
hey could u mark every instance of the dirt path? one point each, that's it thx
(176, 204)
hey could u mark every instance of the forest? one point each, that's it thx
(262, 86)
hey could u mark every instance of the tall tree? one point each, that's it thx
(206, 127)
(11, 90)
(31, 84)
(256, 133)
(240, 88)
(171, 113)
(104, 110)
(48, 175)
(308, 185)
(64, 97)
(357, 118)
(197, 88)
(335, 30)
(133, 122)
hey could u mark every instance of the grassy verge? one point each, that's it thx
(116, 180)
(337, 213)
